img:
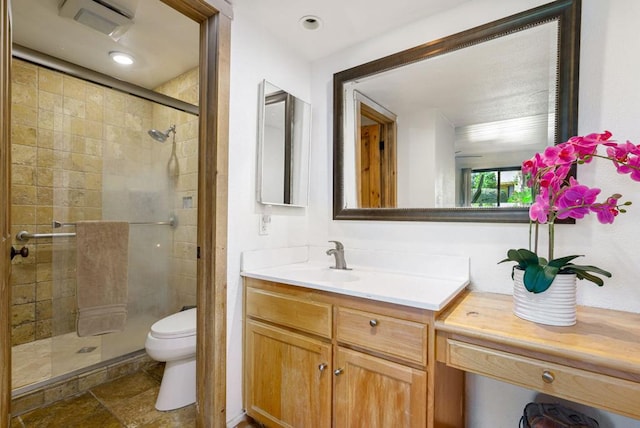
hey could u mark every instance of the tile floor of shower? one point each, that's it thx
(44, 359)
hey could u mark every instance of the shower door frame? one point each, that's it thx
(214, 17)
(5, 214)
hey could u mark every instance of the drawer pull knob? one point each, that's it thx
(322, 367)
(548, 377)
(373, 322)
(338, 372)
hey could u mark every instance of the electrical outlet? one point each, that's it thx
(265, 221)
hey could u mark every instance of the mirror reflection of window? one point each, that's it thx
(499, 187)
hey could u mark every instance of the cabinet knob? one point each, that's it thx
(322, 367)
(373, 322)
(338, 372)
(548, 377)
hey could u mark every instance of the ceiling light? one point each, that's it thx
(310, 22)
(121, 58)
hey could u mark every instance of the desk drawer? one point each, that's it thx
(290, 311)
(392, 336)
(607, 392)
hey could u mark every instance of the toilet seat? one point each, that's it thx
(181, 324)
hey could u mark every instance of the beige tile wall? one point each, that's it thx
(182, 288)
(57, 174)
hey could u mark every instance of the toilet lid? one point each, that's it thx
(180, 324)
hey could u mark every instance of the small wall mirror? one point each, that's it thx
(438, 132)
(284, 127)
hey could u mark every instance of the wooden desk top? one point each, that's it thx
(602, 337)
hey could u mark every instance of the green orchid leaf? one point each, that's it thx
(539, 274)
(529, 257)
(595, 279)
(539, 278)
(562, 261)
(521, 256)
(582, 272)
(588, 268)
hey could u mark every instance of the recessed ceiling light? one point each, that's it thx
(121, 58)
(310, 22)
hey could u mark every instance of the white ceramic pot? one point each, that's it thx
(555, 306)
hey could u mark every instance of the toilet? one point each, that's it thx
(173, 340)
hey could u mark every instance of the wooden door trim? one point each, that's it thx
(211, 351)
(5, 215)
(365, 106)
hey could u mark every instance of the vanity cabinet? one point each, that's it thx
(320, 359)
(595, 362)
(288, 377)
(373, 392)
(287, 362)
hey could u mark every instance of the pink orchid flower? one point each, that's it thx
(607, 211)
(576, 200)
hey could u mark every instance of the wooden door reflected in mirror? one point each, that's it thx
(375, 154)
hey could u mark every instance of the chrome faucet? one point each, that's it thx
(338, 253)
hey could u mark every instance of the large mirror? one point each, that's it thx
(438, 132)
(283, 151)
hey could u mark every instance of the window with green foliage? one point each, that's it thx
(499, 187)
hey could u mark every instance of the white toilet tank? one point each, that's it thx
(180, 324)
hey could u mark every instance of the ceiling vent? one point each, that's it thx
(102, 15)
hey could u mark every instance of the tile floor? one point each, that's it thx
(43, 359)
(124, 402)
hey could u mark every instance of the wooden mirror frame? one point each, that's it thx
(565, 12)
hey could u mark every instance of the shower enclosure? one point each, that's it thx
(81, 151)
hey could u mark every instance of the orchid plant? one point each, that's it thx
(557, 198)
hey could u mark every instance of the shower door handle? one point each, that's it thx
(24, 252)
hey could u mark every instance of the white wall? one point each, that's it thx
(426, 161)
(254, 56)
(608, 100)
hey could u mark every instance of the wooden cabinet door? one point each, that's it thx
(287, 377)
(372, 392)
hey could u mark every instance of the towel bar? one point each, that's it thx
(25, 236)
(172, 222)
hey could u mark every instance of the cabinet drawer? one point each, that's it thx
(392, 336)
(606, 392)
(289, 311)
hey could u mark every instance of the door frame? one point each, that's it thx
(214, 17)
(386, 119)
(5, 214)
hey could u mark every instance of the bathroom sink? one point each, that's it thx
(326, 275)
(414, 280)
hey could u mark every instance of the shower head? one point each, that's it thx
(162, 136)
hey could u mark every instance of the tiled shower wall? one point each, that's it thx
(182, 287)
(76, 147)
(57, 126)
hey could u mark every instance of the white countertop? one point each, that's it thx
(419, 290)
